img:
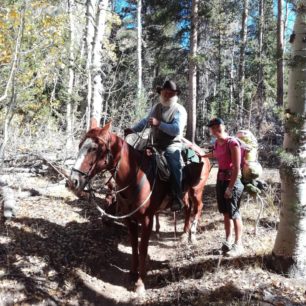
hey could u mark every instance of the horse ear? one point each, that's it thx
(107, 127)
(93, 123)
(104, 130)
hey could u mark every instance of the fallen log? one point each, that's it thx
(9, 202)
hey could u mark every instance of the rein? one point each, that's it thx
(104, 213)
(86, 174)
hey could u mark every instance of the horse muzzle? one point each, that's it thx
(78, 180)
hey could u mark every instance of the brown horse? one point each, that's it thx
(143, 192)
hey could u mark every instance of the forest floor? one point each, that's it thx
(58, 251)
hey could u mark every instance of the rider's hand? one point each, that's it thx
(154, 122)
(128, 131)
(228, 193)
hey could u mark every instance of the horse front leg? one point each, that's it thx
(143, 251)
(133, 233)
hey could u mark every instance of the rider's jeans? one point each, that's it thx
(173, 156)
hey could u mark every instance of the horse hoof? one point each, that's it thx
(140, 288)
(185, 238)
(193, 239)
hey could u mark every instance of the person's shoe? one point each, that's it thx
(236, 250)
(177, 204)
(226, 247)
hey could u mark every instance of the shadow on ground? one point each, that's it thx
(228, 294)
(91, 247)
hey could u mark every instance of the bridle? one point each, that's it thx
(85, 174)
(108, 160)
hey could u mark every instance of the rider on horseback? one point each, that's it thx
(168, 119)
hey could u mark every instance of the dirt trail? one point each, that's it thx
(58, 251)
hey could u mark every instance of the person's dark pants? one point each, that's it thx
(173, 156)
(229, 206)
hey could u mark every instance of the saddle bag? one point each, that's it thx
(163, 170)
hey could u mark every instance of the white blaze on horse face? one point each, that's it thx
(84, 150)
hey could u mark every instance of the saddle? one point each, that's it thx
(192, 168)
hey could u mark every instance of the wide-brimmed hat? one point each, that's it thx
(215, 121)
(169, 85)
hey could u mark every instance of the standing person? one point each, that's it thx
(168, 119)
(229, 188)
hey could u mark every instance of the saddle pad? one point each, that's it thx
(190, 156)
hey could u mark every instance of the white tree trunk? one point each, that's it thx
(139, 50)
(16, 53)
(285, 21)
(11, 84)
(241, 73)
(69, 112)
(89, 37)
(290, 245)
(96, 78)
(192, 103)
(5, 131)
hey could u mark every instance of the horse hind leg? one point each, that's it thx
(185, 236)
(196, 199)
(146, 230)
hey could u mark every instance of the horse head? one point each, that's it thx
(93, 157)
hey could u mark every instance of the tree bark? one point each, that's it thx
(232, 81)
(220, 71)
(69, 111)
(192, 103)
(241, 71)
(97, 81)
(139, 50)
(260, 80)
(290, 249)
(280, 55)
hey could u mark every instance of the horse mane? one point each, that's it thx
(97, 134)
